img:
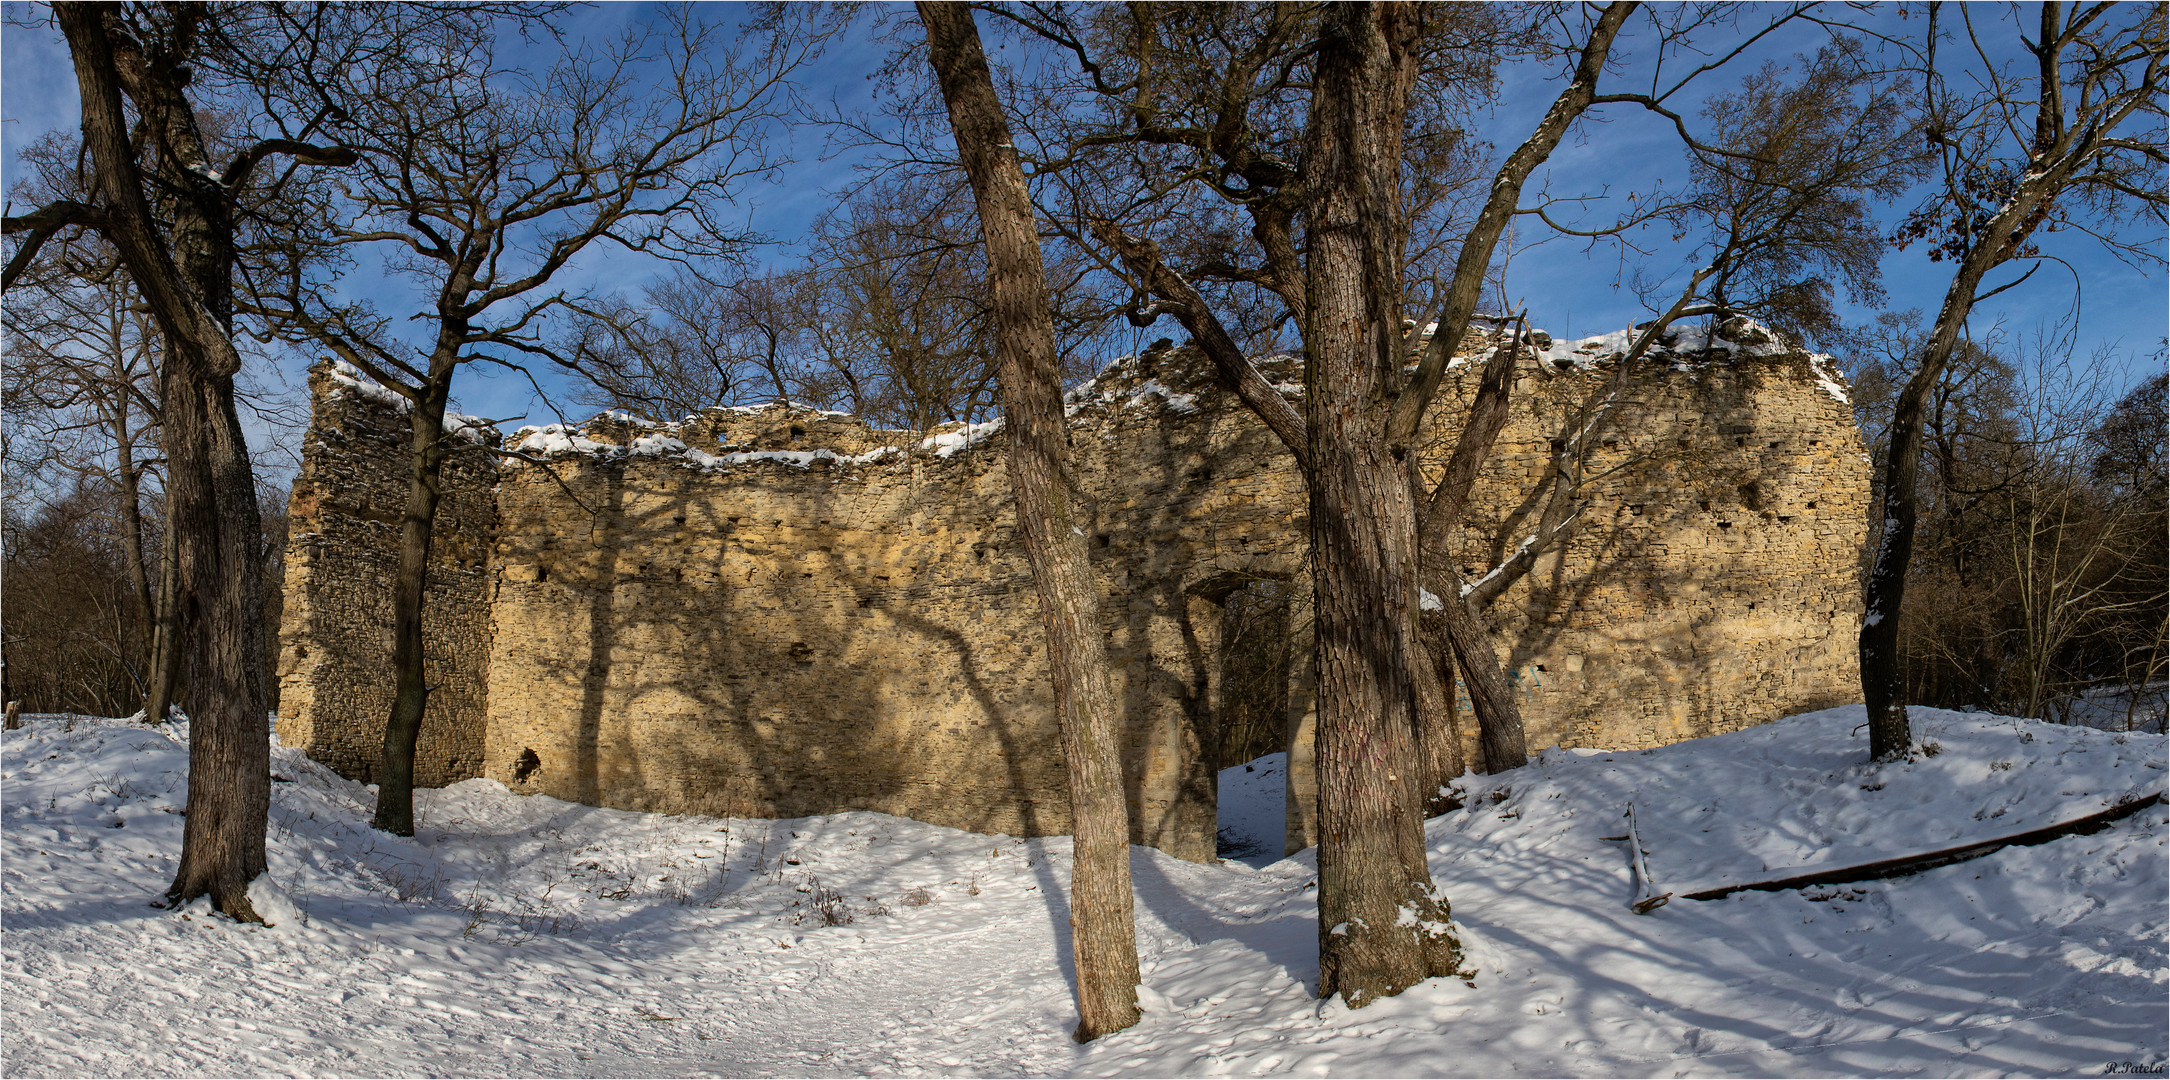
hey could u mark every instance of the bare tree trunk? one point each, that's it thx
(417, 527)
(211, 492)
(1438, 728)
(165, 648)
(212, 495)
(2060, 154)
(139, 580)
(1499, 721)
(1382, 925)
(1489, 695)
(1103, 935)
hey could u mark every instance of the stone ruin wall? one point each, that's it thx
(342, 554)
(719, 617)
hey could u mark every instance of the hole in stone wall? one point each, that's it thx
(1812, 506)
(528, 765)
(1102, 540)
(542, 573)
(797, 432)
(1251, 711)
(1751, 495)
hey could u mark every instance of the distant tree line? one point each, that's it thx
(2039, 579)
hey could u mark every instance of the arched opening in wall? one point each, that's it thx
(1251, 712)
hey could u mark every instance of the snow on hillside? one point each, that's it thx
(526, 936)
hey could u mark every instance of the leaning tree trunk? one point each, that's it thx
(211, 490)
(1103, 936)
(1883, 677)
(417, 527)
(1382, 925)
(1499, 721)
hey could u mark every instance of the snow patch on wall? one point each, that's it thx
(351, 381)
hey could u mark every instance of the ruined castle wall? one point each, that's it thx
(775, 612)
(342, 555)
(775, 636)
(1709, 582)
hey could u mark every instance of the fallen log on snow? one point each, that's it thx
(1914, 864)
(1647, 897)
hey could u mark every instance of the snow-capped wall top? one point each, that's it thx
(348, 379)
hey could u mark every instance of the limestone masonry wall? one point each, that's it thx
(342, 553)
(778, 612)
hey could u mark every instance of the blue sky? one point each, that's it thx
(1569, 290)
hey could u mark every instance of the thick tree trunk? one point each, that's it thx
(1103, 936)
(1382, 925)
(212, 495)
(417, 527)
(211, 492)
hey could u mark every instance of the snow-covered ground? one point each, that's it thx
(525, 936)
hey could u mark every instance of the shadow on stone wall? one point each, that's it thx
(781, 634)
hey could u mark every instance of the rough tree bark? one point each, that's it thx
(1382, 924)
(211, 492)
(1103, 936)
(185, 276)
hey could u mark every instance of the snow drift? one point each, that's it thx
(522, 935)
